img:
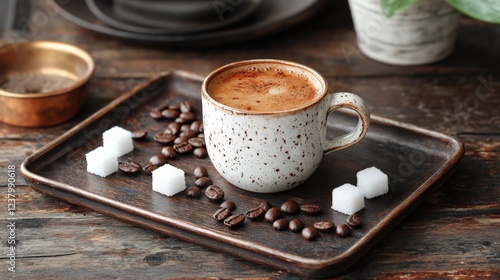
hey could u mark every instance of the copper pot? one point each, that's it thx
(39, 58)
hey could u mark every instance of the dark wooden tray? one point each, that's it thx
(417, 161)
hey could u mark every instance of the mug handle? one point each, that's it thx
(353, 102)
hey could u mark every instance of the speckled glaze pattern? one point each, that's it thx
(423, 33)
(272, 152)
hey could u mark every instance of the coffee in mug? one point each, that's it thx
(265, 123)
(264, 89)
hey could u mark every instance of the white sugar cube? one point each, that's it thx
(118, 140)
(168, 180)
(347, 199)
(101, 162)
(372, 182)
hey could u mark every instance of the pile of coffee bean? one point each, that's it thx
(183, 134)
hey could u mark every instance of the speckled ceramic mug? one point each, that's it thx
(273, 151)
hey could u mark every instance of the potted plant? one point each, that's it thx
(414, 32)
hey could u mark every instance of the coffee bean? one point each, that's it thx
(168, 152)
(354, 221)
(310, 209)
(150, 168)
(129, 166)
(139, 134)
(201, 135)
(180, 140)
(290, 207)
(234, 220)
(214, 193)
(197, 142)
(265, 205)
(203, 182)
(182, 121)
(280, 224)
(185, 127)
(170, 114)
(296, 225)
(186, 106)
(193, 192)
(229, 204)
(168, 131)
(183, 148)
(200, 152)
(200, 171)
(189, 133)
(342, 230)
(309, 233)
(155, 114)
(157, 160)
(272, 214)
(221, 214)
(196, 126)
(255, 213)
(164, 138)
(188, 116)
(174, 127)
(324, 226)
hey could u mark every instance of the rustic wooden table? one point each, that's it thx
(453, 234)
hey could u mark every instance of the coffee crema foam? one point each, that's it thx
(264, 88)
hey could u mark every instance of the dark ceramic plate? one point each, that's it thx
(174, 8)
(127, 18)
(416, 160)
(269, 17)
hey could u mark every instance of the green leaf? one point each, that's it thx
(391, 7)
(485, 10)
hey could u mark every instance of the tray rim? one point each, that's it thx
(364, 243)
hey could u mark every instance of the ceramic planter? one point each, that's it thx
(423, 33)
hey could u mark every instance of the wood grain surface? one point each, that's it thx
(453, 234)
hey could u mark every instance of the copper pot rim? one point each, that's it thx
(63, 47)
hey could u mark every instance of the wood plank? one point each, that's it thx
(452, 234)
